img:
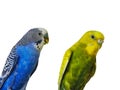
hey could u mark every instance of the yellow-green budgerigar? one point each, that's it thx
(79, 61)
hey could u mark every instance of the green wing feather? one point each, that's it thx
(66, 60)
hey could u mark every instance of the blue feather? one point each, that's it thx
(26, 65)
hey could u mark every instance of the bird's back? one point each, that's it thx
(79, 70)
(26, 65)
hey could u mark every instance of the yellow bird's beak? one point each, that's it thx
(100, 41)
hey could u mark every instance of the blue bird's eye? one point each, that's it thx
(39, 33)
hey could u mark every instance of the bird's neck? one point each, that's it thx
(92, 49)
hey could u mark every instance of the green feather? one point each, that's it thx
(79, 62)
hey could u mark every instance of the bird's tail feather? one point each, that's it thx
(1, 82)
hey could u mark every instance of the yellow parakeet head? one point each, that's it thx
(93, 40)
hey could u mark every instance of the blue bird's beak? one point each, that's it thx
(46, 38)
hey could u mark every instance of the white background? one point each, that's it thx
(66, 21)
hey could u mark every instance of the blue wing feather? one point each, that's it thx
(9, 65)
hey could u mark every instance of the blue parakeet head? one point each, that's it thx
(35, 35)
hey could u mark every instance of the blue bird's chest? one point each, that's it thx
(25, 66)
(28, 59)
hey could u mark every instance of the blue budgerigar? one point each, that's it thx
(23, 60)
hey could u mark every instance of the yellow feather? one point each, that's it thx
(64, 64)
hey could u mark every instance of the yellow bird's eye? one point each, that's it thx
(92, 36)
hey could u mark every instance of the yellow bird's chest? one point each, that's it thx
(79, 69)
